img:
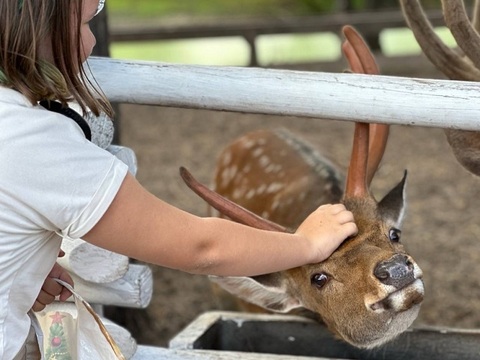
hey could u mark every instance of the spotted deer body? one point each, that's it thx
(369, 290)
(279, 155)
(456, 64)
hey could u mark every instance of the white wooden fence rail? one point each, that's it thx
(350, 97)
(107, 278)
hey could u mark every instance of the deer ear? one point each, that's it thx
(268, 291)
(392, 206)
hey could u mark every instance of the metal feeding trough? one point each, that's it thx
(253, 336)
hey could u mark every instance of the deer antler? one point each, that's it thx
(227, 207)
(369, 140)
(445, 59)
(476, 16)
(462, 30)
(465, 144)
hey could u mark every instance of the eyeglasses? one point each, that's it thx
(101, 5)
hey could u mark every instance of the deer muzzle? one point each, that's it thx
(402, 280)
(397, 271)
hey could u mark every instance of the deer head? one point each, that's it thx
(456, 64)
(370, 289)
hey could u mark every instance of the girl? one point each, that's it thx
(55, 183)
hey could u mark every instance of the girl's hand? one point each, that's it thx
(327, 227)
(51, 288)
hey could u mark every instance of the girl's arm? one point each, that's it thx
(141, 226)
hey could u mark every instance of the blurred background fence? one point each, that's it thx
(300, 34)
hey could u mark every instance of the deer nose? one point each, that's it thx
(397, 271)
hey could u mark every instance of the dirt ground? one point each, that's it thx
(441, 229)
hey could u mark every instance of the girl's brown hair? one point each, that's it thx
(24, 26)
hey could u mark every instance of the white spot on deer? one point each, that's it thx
(261, 189)
(257, 152)
(275, 205)
(250, 194)
(238, 193)
(246, 169)
(264, 161)
(274, 187)
(247, 143)
(265, 214)
(273, 168)
(228, 175)
(226, 158)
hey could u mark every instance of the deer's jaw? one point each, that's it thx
(367, 324)
(397, 300)
(393, 314)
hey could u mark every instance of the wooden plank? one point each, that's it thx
(88, 262)
(122, 337)
(336, 96)
(150, 352)
(133, 290)
(297, 336)
(197, 328)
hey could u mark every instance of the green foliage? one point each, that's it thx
(149, 8)
(318, 6)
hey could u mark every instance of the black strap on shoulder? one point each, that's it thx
(57, 107)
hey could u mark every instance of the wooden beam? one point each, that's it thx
(91, 263)
(232, 333)
(134, 290)
(335, 96)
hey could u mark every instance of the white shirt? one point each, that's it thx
(53, 183)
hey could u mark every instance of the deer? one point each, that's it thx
(370, 289)
(463, 64)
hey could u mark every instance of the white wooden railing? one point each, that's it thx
(348, 97)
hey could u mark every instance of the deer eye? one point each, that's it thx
(319, 280)
(394, 235)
